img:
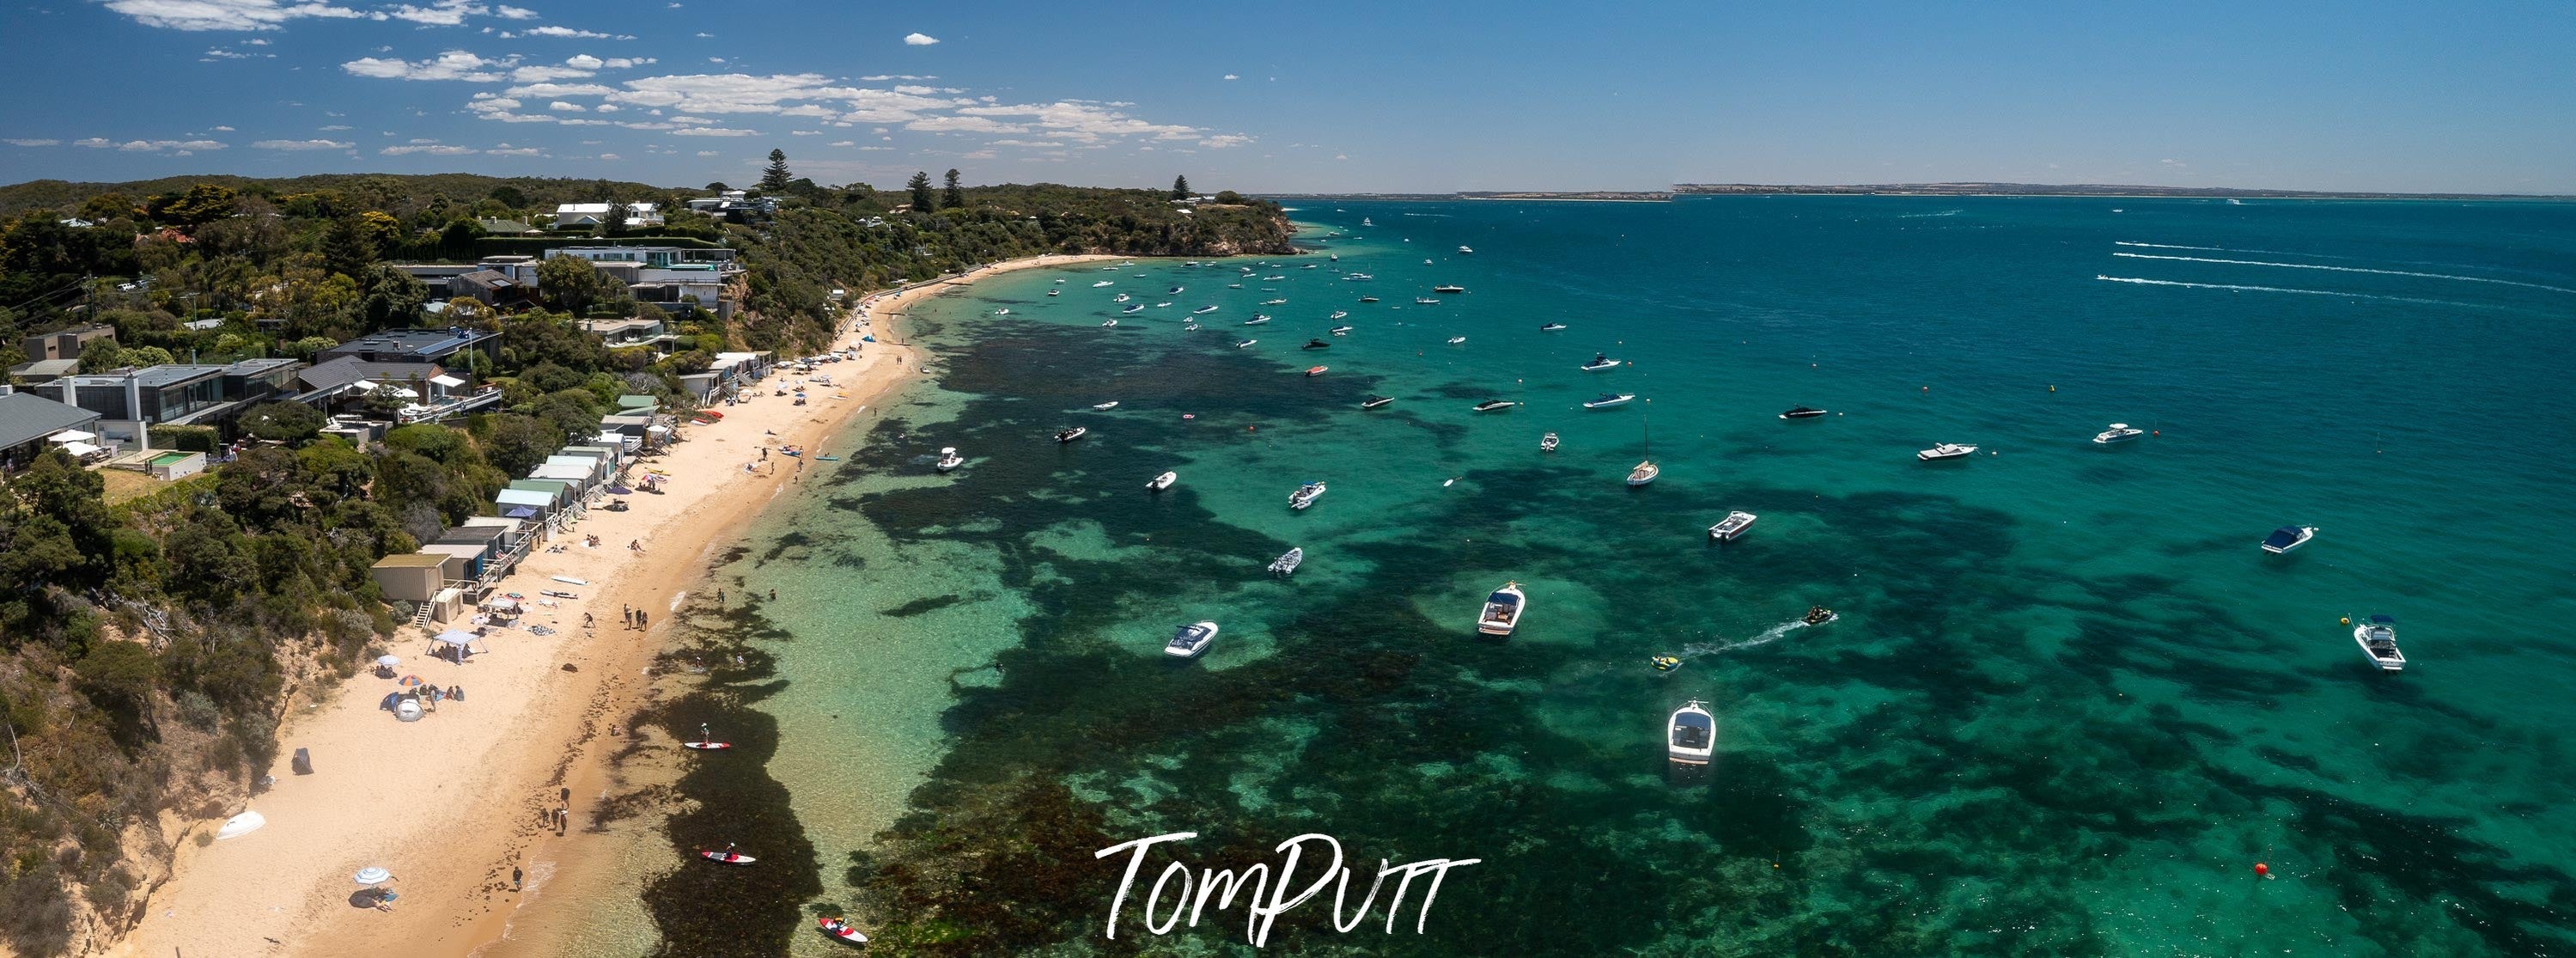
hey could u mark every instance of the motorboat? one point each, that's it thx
(2378, 638)
(1547, 443)
(1055, 292)
(1947, 450)
(1465, 251)
(1733, 525)
(1256, 320)
(1307, 266)
(1246, 344)
(1364, 221)
(1608, 400)
(1234, 285)
(1503, 610)
(1550, 327)
(1375, 401)
(1339, 313)
(1691, 736)
(1288, 563)
(1004, 311)
(1600, 361)
(949, 459)
(1203, 310)
(1072, 434)
(1456, 340)
(1493, 405)
(1162, 482)
(836, 928)
(1103, 283)
(1122, 297)
(1356, 277)
(1448, 290)
(1368, 299)
(2287, 538)
(1163, 305)
(1191, 641)
(1305, 495)
(1112, 404)
(1316, 344)
(1274, 279)
(1109, 324)
(1341, 330)
(1189, 327)
(2119, 432)
(1802, 412)
(1314, 371)
(1274, 302)
(1133, 308)
(1425, 301)
(1174, 291)
(1818, 615)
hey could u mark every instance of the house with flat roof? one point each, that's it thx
(421, 392)
(649, 331)
(66, 343)
(29, 424)
(585, 215)
(416, 345)
(130, 401)
(43, 370)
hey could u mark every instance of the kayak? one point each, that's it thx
(707, 746)
(846, 933)
(726, 858)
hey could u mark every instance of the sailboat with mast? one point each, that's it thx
(1646, 470)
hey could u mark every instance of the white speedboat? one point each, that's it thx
(1246, 344)
(2287, 538)
(1256, 320)
(1425, 301)
(1341, 330)
(1339, 313)
(1600, 361)
(1691, 736)
(1274, 279)
(1357, 277)
(1109, 324)
(1288, 563)
(1103, 283)
(1162, 305)
(1162, 482)
(1305, 495)
(1733, 525)
(949, 459)
(1174, 291)
(1495, 405)
(1191, 641)
(1132, 308)
(1464, 251)
(1188, 327)
(1004, 311)
(1072, 434)
(1503, 610)
(1457, 340)
(1112, 404)
(1947, 450)
(1122, 297)
(1203, 310)
(1802, 412)
(1550, 327)
(1055, 292)
(2378, 638)
(1373, 402)
(1448, 290)
(1547, 443)
(1608, 400)
(2119, 432)
(1274, 302)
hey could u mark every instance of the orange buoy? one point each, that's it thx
(2262, 869)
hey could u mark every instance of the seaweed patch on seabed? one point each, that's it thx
(701, 908)
(1926, 784)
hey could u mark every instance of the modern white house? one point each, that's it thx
(573, 215)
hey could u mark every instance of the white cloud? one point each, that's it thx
(610, 156)
(834, 143)
(919, 39)
(149, 146)
(301, 145)
(540, 74)
(223, 129)
(18, 142)
(514, 13)
(1341, 156)
(560, 106)
(440, 13)
(451, 65)
(1085, 121)
(712, 131)
(1230, 76)
(709, 153)
(608, 108)
(805, 133)
(433, 150)
(225, 14)
(963, 124)
(1224, 140)
(508, 150)
(570, 33)
(552, 90)
(336, 127)
(584, 61)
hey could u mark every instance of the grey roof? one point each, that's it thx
(174, 374)
(26, 418)
(349, 369)
(46, 368)
(430, 343)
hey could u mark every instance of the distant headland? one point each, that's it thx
(1915, 189)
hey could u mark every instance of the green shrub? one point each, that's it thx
(185, 438)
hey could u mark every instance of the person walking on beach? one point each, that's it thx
(586, 620)
(639, 618)
(515, 877)
(719, 596)
(773, 595)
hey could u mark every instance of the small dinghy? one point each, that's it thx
(1245, 343)
(1112, 404)
(1339, 313)
(1203, 310)
(2287, 538)
(1733, 525)
(1102, 283)
(726, 857)
(1316, 344)
(1551, 327)
(1288, 562)
(1692, 735)
(1492, 405)
(1801, 412)
(1191, 641)
(1256, 320)
(1664, 663)
(1132, 308)
(1313, 371)
(1341, 330)
(1122, 297)
(1502, 611)
(1368, 299)
(1162, 482)
(1457, 340)
(1072, 434)
(1608, 400)
(840, 930)
(1109, 324)
(2378, 638)
(2119, 432)
(1547, 443)
(1373, 402)
(1305, 495)
(1055, 292)
(1947, 450)
(1600, 361)
(949, 459)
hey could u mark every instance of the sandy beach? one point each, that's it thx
(451, 804)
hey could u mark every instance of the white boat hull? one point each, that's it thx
(2391, 660)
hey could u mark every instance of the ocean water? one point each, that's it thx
(2068, 704)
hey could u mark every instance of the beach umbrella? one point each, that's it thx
(372, 875)
(620, 491)
(389, 661)
(519, 512)
(409, 681)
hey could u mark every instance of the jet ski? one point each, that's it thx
(1665, 663)
(1819, 615)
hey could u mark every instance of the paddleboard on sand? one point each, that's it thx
(566, 578)
(846, 933)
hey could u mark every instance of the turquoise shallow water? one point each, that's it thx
(2068, 703)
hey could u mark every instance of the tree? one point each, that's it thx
(571, 283)
(288, 422)
(393, 299)
(614, 223)
(348, 245)
(1180, 187)
(920, 187)
(774, 179)
(203, 203)
(1229, 197)
(509, 196)
(952, 197)
(515, 444)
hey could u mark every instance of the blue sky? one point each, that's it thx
(1304, 96)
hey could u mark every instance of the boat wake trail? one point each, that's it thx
(1768, 636)
(2348, 269)
(2284, 289)
(2355, 259)
(1917, 216)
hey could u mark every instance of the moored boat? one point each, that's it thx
(1947, 450)
(1502, 611)
(1109, 324)
(2287, 538)
(1245, 344)
(1316, 344)
(1464, 251)
(2119, 432)
(1341, 330)
(1373, 402)
(1550, 327)
(1256, 320)
(1448, 290)
(1288, 562)
(1191, 641)
(1608, 400)
(1733, 525)
(1072, 434)
(2378, 638)
(1305, 495)
(1203, 310)
(1494, 405)
(1368, 299)
(1691, 735)
(1162, 482)
(1122, 297)
(1425, 301)
(1312, 371)
(949, 459)
(1457, 340)
(1339, 313)
(1600, 361)
(1547, 443)
(1802, 412)
(838, 929)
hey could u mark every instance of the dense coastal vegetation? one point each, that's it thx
(150, 638)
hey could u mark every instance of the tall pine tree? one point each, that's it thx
(954, 196)
(920, 187)
(1180, 187)
(776, 177)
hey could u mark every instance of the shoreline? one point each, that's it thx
(452, 804)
